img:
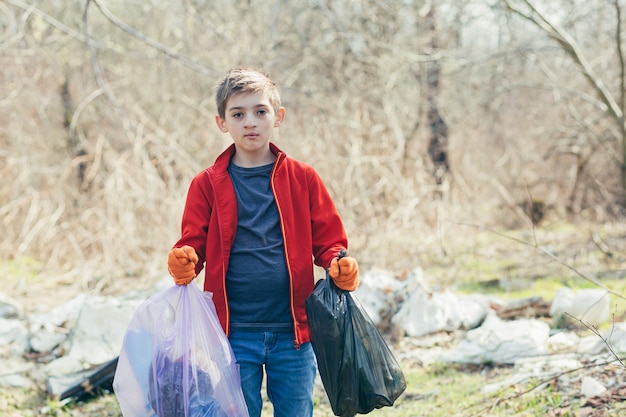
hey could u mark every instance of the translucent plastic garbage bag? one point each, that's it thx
(357, 368)
(176, 360)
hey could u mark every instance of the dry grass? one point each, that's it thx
(98, 141)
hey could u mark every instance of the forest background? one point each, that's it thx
(430, 122)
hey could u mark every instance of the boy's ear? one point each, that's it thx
(280, 116)
(221, 124)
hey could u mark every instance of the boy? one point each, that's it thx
(256, 221)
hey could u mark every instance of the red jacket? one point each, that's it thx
(311, 226)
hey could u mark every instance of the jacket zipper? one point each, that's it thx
(227, 308)
(296, 341)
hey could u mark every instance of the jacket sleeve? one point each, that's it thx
(328, 232)
(195, 219)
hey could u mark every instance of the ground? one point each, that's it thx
(511, 265)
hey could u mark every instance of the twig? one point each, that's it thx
(549, 254)
(600, 244)
(54, 22)
(608, 344)
(535, 386)
(195, 65)
(94, 59)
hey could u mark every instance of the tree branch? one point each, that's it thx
(94, 58)
(188, 62)
(54, 22)
(570, 46)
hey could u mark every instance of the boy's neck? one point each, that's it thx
(250, 160)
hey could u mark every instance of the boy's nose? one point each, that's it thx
(249, 121)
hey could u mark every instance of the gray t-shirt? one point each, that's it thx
(257, 281)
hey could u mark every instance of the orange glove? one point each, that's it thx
(345, 272)
(181, 263)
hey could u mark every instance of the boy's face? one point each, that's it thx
(250, 120)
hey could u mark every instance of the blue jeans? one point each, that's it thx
(290, 372)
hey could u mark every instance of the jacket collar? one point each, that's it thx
(222, 161)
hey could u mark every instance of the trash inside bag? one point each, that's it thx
(176, 360)
(357, 368)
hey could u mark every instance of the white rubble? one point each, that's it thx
(425, 312)
(425, 350)
(376, 293)
(614, 339)
(440, 325)
(590, 306)
(49, 330)
(502, 342)
(9, 308)
(563, 342)
(99, 331)
(591, 387)
(13, 337)
(590, 345)
(14, 373)
(535, 368)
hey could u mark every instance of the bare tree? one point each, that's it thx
(612, 103)
(438, 141)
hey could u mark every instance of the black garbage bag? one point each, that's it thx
(358, 370)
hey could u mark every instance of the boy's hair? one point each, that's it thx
(245, 80)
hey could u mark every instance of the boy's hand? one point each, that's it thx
(344, 271)
(181, 263)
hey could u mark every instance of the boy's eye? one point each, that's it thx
(262, 111)
(237, 115)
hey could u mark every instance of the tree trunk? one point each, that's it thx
(438, 141)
